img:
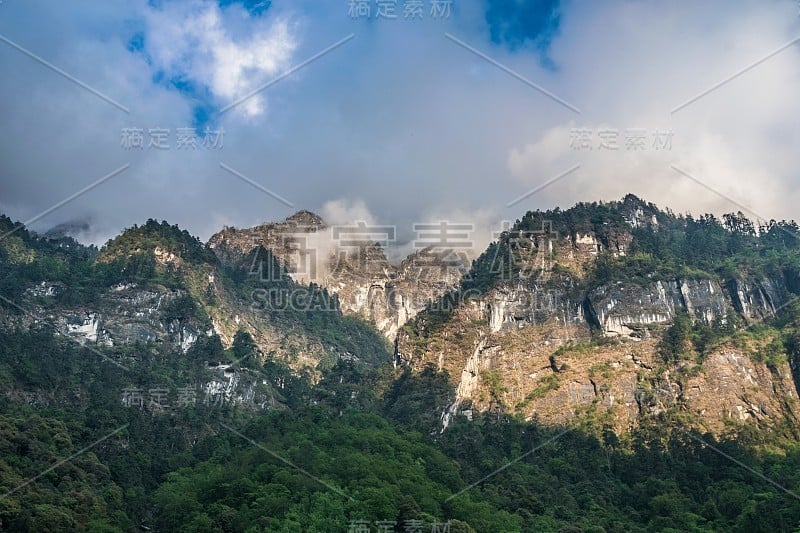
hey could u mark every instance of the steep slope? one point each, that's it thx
(156, 285)
(572, 315)
(615, 312)
(616, 326)
(349, 261)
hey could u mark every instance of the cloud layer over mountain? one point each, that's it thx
(410, 120)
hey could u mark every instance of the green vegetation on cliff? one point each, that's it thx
(357, 446)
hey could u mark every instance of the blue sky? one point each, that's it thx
(395, 120)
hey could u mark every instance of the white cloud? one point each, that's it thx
(636, 63)
(410, 123)
(344, 211)
(201, 42)
(485, 223)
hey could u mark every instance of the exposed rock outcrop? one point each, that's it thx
(531, 333)
(346, 262)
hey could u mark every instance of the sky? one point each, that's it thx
(463, 111)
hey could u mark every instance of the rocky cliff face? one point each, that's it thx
(287, 239)
(125, 314)
(625, 309)
(555, 347)
(128, 315)
(616, 385)
(350, 265)
(531, 328)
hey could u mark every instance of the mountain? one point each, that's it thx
(567, 316)
(289, 377)
(71, 228)
(618, 312)
(347, 262)
(157, 286)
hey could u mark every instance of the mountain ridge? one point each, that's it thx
(624, 344)
(511, 330)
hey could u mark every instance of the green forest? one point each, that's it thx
(330, 465)
(359, 449)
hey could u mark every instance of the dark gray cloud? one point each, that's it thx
(400, 123)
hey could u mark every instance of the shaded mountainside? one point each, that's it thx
(155, 285)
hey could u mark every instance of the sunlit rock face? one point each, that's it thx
(530, 341)
(354, 268)
(625, 309)
(522, 345)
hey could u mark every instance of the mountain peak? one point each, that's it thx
(305, 218)
(632, 200)
(638, 212)
(71, 228)
(156, 237)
